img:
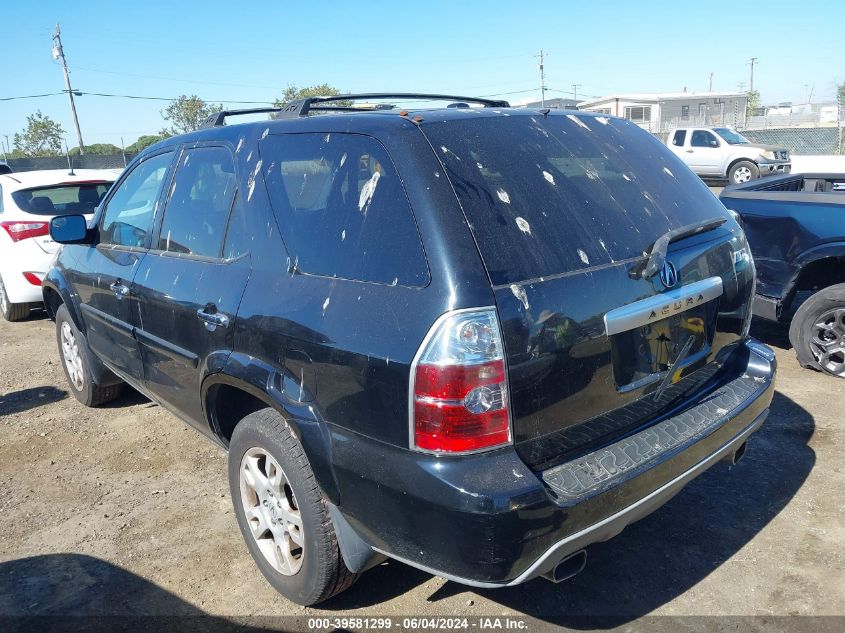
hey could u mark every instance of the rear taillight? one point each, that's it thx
(459, 387)
(22, 230)
(32, 278)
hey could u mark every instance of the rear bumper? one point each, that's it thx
(489, 521)
(21, 257)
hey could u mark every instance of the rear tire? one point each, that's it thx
(817, 331)
(282, 512)
(743, 171)
(12, 311)
(73, 352)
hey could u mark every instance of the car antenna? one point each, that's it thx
(69, 161)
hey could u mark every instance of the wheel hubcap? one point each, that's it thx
(4, 302)
(743, 174)
(827, 341)
(272, 513)
(73, 360)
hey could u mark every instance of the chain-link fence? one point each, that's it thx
(802, 141)
(88, 161)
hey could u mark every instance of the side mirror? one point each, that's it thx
(69, 229)
(714, 143)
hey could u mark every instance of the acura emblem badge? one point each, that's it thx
(668, 275)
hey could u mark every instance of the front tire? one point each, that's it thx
(74, 355)
(282, 513)
(12, 311)
(743, 171)
(817, 331)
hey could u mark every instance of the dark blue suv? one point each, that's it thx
(471, 338)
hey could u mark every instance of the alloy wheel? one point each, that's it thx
(72, 357)
(743, 174)
(271, 511)
(827, 341)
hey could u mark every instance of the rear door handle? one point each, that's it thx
(119, 289)
(690, 151)
(212, 318)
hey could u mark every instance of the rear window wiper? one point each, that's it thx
(657, 253)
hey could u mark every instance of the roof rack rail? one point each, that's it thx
(301, 107)
(218, 119)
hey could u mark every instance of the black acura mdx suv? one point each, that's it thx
(471, 338)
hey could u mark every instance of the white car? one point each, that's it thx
(27, 202)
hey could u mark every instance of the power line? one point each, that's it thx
(46, 94)
(515, 92)
(118, 96)
(190, 81)
(80, 93)
(569, 92)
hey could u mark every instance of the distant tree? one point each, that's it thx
(97, 148)
(187, 114)
(41, 137)
(144, 142)
(292, 93)
(753, 102)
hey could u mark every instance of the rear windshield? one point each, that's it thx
(555, 194)
(59, 199)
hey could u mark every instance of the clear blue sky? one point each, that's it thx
(248, 51)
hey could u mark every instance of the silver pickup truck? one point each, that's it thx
(719, 152)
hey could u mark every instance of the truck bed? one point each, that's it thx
(795, 226)
(777, 186)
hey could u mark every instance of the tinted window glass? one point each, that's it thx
(549, 195)
(82, 198)
(129, 215)
(342, 209)
(701, 138)
(679, 138)
(198, 206)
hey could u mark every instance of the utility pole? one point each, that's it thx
(542, 57)
(741, 86)
(59, 53)
(752, 61)
(711, 82)
(575, 92)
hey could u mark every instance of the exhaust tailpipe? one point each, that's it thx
(568, 567)
(733, 458)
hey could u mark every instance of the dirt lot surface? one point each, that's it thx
(124, 510)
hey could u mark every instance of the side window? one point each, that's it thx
(1, 198)
(237, 234)
(197, 208)
(128, 217)
(679, 138)
(703, 138)
(342, 209)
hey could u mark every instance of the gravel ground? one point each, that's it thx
(124, 510)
